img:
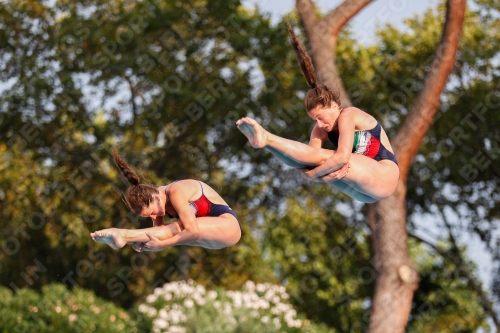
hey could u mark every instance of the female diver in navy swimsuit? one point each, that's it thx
(205, 219)
(363, 166)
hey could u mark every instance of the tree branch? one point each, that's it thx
(132, 102)
(338, 17)
(417, 123)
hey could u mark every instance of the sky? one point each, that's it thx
(365, 22)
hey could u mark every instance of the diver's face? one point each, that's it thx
(156, 208)
(325, 118)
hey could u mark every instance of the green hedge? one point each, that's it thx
(59, 310)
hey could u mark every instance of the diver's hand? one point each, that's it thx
(153, 245)
(336, 175)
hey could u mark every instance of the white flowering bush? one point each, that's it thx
(184, 307)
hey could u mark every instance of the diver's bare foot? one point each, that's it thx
(256, 134)
(112, 237)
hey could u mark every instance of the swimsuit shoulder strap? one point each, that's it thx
(165, 190)
(376, 130)
(201, 187)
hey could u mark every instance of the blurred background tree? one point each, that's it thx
(165, 82)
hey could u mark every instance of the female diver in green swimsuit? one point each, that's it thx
(363, 166)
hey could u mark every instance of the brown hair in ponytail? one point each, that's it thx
(319, 94)
(138, 195)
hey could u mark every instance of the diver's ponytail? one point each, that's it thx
(319, 94)
(304, 60)
(138, 195)
(125, 169)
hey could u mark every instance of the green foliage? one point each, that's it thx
(64, 62)
(150, 78)
(444, 301)
(324, 258)
(384, 79)
(57, 309)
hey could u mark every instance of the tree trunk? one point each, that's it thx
(397, 277)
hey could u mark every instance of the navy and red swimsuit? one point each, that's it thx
(203, 207)
(367, 142)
